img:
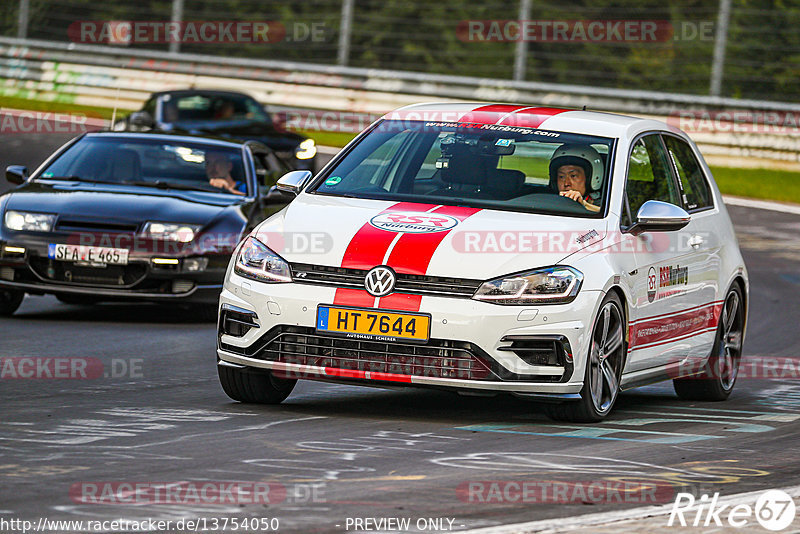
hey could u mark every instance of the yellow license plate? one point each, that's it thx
(373, 325)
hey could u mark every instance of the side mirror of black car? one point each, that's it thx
(273, 195)
(16, 174)
(141, 119)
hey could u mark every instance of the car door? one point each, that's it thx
(659, 285)
(701, 242)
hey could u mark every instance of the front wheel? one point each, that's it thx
(716, 381)
(10, 300)
(254, 386)
(603, 368)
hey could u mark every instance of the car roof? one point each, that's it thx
(541, 117)
(233, 143)
(210, 92)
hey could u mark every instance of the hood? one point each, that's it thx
(423, 239)
(119, 203)
(243, 130)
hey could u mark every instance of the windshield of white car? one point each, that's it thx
(507, 168)
(157, 163)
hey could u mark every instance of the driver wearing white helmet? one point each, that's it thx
(576, 172)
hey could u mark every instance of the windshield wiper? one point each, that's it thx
(161, 184)
(76, 179)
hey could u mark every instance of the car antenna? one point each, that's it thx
(114, 113)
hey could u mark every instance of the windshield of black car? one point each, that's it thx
(490, 166)
(211, 108)
(155, 162)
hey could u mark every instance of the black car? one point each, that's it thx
(113, 216)
(221, 114)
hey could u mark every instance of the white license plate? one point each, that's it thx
(82, 253)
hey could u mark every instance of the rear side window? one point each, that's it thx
(649, 177)
(695, 188)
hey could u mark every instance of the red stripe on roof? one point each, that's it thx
(488, 114)
(531, 117)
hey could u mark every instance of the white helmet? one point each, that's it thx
(582, 155)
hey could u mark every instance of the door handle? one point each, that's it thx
(695, 241)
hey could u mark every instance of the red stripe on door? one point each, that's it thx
(531, 117)
(660, 330)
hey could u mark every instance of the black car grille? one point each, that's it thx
(93, 227)
(406, 283)
(119, 276)
(439, 358)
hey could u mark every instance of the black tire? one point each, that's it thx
(81, 300)
(716, 380)
(10, 300)
(254, 386)
(604, 364)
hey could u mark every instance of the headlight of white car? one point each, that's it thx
(25, 220)
(306, 150)
(256, 261)
(542, 286)
(182, 233)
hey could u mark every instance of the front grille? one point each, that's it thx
(77, 225)
(377, 357)
(406, 283)
(69, 273)
(439, 358)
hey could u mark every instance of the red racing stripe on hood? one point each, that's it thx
(367, 249)
(413, 252)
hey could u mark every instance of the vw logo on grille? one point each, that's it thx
(379, 281)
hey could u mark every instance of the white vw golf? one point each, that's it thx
(553, 254)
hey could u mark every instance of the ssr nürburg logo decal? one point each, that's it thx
(413, 222)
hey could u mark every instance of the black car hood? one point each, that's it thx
(243, 130)
(119, 203)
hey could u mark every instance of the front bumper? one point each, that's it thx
(282, 318)
(33, 272)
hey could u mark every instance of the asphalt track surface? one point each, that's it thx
(335, 454)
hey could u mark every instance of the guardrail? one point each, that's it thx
(116, 77)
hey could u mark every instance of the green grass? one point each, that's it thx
(57, 107)
(335, 139)
(758, 183)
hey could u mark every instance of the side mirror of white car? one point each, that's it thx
(657, 216)
(293, 182)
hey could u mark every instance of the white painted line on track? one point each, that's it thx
(563, 524)
(762, 204)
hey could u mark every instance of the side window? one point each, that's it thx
(150, 107)
(695, 188)
(649, 177)
(268, 168)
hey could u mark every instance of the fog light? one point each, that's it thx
(182, 286)
(7, 273)
(165, 261)
(195, 264)
(14, 250)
